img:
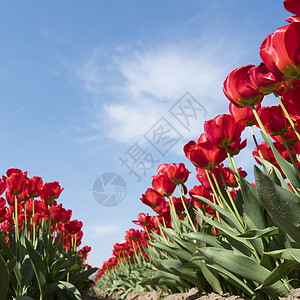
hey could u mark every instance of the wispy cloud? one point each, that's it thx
(131, 89)
(98, 231)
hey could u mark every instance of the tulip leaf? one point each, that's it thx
(281, 204)
(38, 266)
(23, 297)
(252, 205)
(241, 266)
(269, 169)
(290, 254)
(279, 272)
(230, 277)
(64, 289)
(286, 167)
(207, 239)
(4, 278)
(260, 233)
(225, 214)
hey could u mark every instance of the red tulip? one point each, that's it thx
(204, 155)
(177, 173)
(263, 80)
(224, 130)
(153, 199)
(236, 147)
(236, 88)
(16, 183)
(11, 171)
(163, 185)
(290, 137)
(34, 187)
(288, 85)
(293, 6)
(280, 52)
(274, 120)
(290, 100)
(243, 113)
(73, 226)
(50, 191)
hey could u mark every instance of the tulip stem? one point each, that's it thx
(214, 190)
(235, 215)
(297, 156)
(287, 115)
(161, 231)
(261, 125)
(16, 222)
(33, 224)
(185, 208)
(175, 217)
(232, 162)
(255, 141)
(288, 150)
(230, 198)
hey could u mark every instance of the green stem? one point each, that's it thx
(287, 115)
(16, 221)
(185, 208)
(175, 216)
(255, 141)
(288, 150)
(259, 121)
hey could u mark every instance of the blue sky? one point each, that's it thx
(80, 83)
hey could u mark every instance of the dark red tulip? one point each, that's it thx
(224, 130)
(2, 186)
(291, 101)
(263, 80)
(236, 147)
(50, 191)
(290, 137)
(292, 6)
(274, 120)
(237, 88)
(288, 85)
(11, 171)
(163, 185)
(73, 226)
(280, 52)
(205, 155)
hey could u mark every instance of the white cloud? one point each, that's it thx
(98, 230)
(131, 89)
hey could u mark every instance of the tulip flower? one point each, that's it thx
(73, 226)
(224, 130)
(177, 173)
(236, 88)
(153, 199)
(243, 113)
(290, 100)
(16, 183)
(205, 155)
(50, 191)
(236, 147)
(280, 52)
(292, 6)
(274, 120)
(163, 185)
(34, 186)
(263, 80)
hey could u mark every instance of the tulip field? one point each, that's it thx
(227, 235)
(40, 256)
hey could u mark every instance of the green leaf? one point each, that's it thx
(260, 233)
(4, 278)
(286, 167)
(207, 239)
(23, 297)
(66, 289)
(241, 266)
(281, 204)
(269, 169)
(39, 269)
(287, 254)
(279, 272)
(252, 205)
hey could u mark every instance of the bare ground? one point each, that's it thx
(193, 294)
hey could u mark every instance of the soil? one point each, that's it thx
(193, 294)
